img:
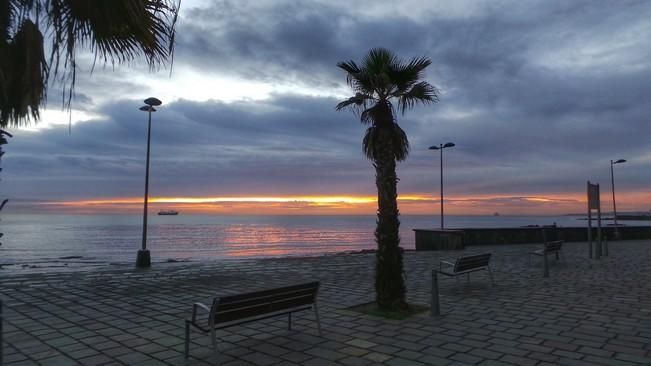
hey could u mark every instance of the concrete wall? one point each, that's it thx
(490, 236)
(535, 235)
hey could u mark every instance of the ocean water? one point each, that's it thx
(58, 240)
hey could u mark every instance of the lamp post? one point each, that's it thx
(441, 147)
(612, 182)
(144, 259)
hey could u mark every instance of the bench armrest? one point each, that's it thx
(194, 310)
(444, 262)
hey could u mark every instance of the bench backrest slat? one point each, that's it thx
(234, 307)
(472, 262)
(553, 246)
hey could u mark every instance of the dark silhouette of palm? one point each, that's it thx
(116, 31)
(378, 82)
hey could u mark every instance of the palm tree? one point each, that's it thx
(378, 82)
(115, 31)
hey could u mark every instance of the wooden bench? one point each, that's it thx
(466, 265)
(227, 311)
(548, 248)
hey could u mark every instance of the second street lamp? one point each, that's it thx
(441, 147)
(144, 259)
(612, 182)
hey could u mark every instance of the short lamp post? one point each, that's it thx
(612, 182)
(440, 148)
(144, 259)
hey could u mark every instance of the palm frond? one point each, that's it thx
(380, 114)
(400, 143)
(422, 92)
(405, 76)
(6, 14)
(116, 31)
(379, 61)
(357, 78)
(370, 143)
(351, 69)
(358, 100)
(376, 139)
(24, 76)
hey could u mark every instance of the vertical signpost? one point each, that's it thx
(594, 204)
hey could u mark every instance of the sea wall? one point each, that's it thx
(524, 235)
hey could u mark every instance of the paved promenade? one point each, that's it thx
(585, 313)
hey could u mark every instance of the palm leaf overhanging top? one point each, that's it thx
(382, 76)
(115, 31)
(379, 81)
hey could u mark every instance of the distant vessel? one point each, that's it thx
(168, 213)
(496, 214)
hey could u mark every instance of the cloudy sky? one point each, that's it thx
(538, 96)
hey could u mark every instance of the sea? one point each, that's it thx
(50, 242)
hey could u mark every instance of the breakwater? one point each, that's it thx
(427, 239)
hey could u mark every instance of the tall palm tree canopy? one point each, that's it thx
(381, 79)
(115, 31)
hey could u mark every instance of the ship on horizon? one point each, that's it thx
(168, 213)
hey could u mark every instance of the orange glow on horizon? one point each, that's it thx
(181, 200)
(413, 203)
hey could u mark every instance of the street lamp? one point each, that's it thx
(144, 259)
(612, 182)
(441, 147)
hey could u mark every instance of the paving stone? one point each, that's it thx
(397, 361)
(608, 361)
(520, 361)
(354, 361)
(467, 358)
(121, 316)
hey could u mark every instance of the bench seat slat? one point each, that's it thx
(464, 264)
(261, 308)
(254, 304)
(312, 286)
(447, 273)
(226, 324)
(549, 247)
(467, 265)
(227, 304)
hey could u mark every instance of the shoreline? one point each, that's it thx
(80, 264)
(73, 264)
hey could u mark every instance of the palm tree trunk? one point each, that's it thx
(389, 283)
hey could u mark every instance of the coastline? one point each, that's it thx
(74, 264)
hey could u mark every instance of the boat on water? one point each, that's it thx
(168, 213)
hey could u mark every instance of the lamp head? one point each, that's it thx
(619, 161)
(449, 144)
(153, 101)
(433, 147)
(147, 108)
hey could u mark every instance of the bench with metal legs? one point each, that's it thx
(554, 247)
(238, 309)
(466, 265)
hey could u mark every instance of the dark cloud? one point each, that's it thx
(538, 96)
(288, 145)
